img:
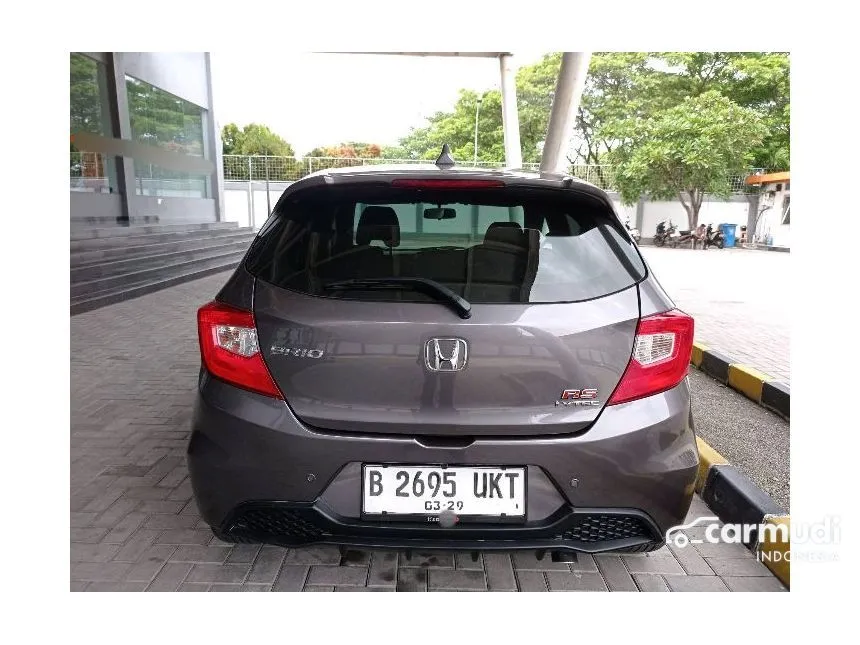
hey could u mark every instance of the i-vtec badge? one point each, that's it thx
(297, 352)
(588, 396)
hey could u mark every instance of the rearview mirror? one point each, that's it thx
(440, 213)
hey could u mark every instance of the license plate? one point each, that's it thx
(391, 490)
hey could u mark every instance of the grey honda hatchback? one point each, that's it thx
(440, 357)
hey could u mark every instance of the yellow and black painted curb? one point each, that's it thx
(755, 385)
(735, 499)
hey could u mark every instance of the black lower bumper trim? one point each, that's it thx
(580, 530)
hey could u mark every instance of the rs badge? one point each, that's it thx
(584, 397)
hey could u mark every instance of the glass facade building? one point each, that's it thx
(144, 143)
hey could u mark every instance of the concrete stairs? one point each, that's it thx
(112, 264)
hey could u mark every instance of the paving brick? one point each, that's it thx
(93, 552)
(464, 561)
(337, 576)
(91, 535)
(170, 522)
(355, 558)
(149, 563)
(650, 582)
(615, 573)
(218, 573)
(652, 563)
(137, 545)
(723, 550)
(412, 579)
(383, 569)
(500, 572)
(355, 589)
(428, 559)
(531, 580)
(184, 536)
(193, 586)
(291, 578)
(125, 528)
(313, 555)
(96, 571)
(569, 581)
(527, 560)
(738, 567)
(116, 586)
(248, 586)
(584, 562)
(243, 554)
(691, 561)
(170, 576)
(455, 580)
(753, 583)
(267, 564)
(201, 554)
(147, 493)
(695, 583)
(115, 512)
(327, 588)
(82, 520)
(76, 585)
(235, 588)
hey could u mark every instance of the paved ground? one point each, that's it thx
(134, 525)
(741, 300)
(750, 437)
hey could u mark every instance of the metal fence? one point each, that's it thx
(88, 169)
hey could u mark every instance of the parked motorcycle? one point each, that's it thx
(713, 237)
(634, 232)
(683, 237)
(664, 233)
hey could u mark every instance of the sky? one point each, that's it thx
(324, 99)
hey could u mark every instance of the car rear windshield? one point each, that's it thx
(488, 245)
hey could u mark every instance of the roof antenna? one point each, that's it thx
(445, 159)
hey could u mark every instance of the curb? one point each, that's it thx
(755, 385)
(735, 499)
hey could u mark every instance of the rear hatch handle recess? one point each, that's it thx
(430, 287)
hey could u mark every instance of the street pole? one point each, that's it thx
(268, 200)
(568, 91)
(477, 113)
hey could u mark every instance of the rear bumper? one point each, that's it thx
(633, 470)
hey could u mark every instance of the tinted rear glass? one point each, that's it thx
(500, 245)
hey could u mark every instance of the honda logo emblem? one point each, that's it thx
(445, 354)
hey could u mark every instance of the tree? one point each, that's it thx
(254, 139)
(352, 149)
(685, 151)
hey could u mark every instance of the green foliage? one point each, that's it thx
(352, 149)
(253, 139)
(685, 151)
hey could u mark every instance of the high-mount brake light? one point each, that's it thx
(455, 184)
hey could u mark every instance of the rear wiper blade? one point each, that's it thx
(424, 285)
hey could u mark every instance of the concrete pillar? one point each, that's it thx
(752, 215)
(121, 129)
(212, 148)
(510, 114)
(640, 213)
(568, 91)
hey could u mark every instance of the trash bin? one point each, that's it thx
(729, 233)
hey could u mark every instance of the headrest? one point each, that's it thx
(506, 233)
(378, 223)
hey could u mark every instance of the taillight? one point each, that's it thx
(447, 183)
(661, 356)
(229, 348)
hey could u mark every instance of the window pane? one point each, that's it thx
(499, 246)
(88, 112)
(161, 119)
